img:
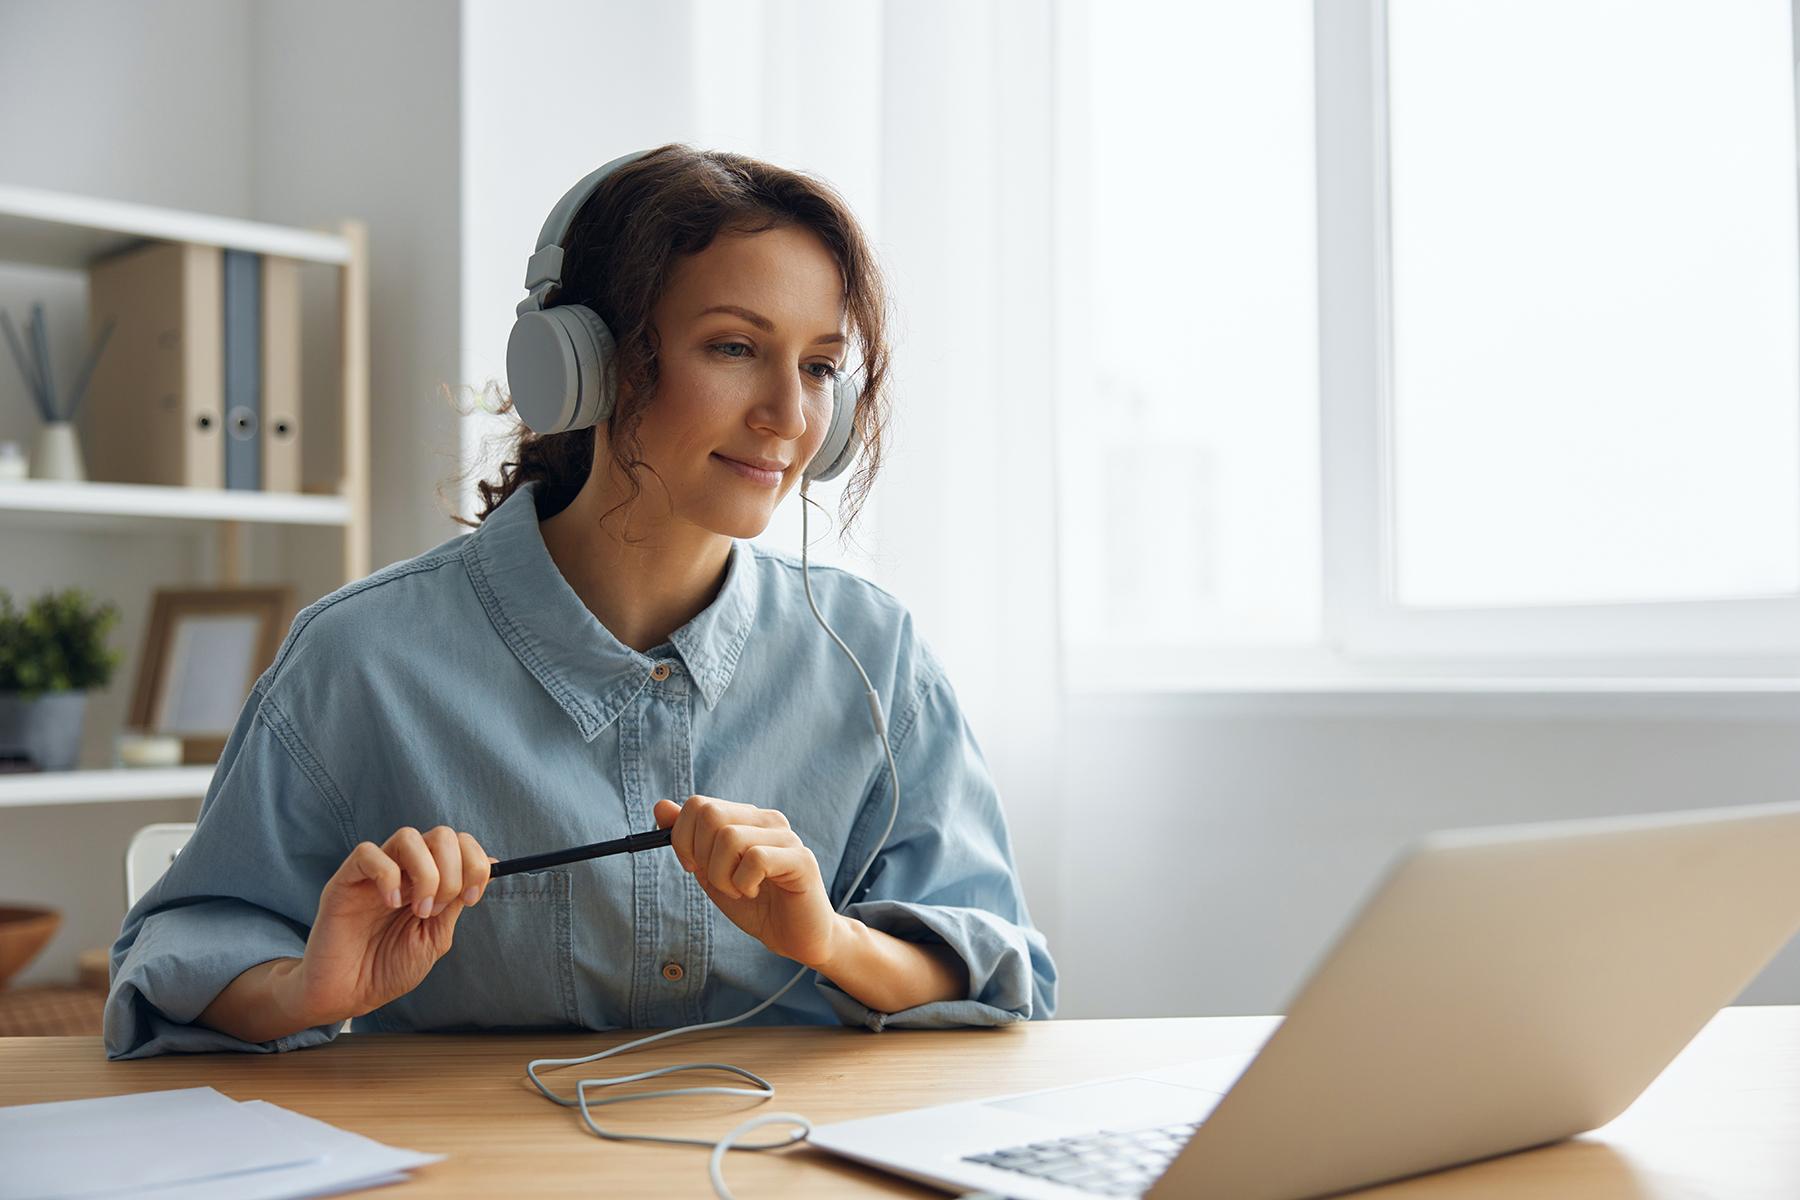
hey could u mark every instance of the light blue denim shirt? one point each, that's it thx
(471, 687)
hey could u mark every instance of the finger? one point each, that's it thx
(752, 868)
(729, 848)
(791, 868)
(447, 851)
(730, 812)
(475, 867)
(681, 835)
(368, 864)
(407, 847)
(681, 831)
(702, 812)
(722, 855)
(710, 815)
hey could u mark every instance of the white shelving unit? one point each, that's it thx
(60, 229)
(64, 231)
(103, 787)
(125, 506)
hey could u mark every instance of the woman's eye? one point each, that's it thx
(825, 370)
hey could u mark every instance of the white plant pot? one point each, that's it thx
(58, 454)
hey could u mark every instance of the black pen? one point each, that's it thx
(630, 844)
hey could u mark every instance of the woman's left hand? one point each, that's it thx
(754, 868)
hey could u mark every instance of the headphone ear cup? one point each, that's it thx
(840, 447)
(561, 367)
(598, 354)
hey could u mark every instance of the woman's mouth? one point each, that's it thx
(763, 475)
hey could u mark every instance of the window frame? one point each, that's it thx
(1367, 642)
(1362, 621)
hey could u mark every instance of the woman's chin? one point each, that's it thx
(741, 520)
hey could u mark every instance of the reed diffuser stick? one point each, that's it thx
(27, 368)
(87, 367)
(43, 349)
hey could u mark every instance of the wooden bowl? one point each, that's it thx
(23, 932)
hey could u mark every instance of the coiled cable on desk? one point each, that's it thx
(763, 1089)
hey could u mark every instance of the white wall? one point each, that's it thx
(157, 91)
(1216, 844)
(357, 113)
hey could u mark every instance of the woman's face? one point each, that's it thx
(751, 331)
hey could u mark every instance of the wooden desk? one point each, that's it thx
(1723, 1121)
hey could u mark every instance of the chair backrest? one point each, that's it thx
(151, 851)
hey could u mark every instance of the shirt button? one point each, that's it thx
(672, 972)
(659, 672)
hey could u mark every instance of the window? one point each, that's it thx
(1596, 337)
(1558, 279)
(1488, 362)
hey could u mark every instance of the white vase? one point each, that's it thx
(57, 454)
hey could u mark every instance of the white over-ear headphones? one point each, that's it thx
(561, 361)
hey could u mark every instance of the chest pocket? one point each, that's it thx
(511, 965)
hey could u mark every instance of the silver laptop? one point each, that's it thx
(1502, 988)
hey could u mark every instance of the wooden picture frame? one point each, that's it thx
(203, 651)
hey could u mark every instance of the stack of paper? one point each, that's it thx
(192, 1143)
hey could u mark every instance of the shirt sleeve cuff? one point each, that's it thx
(998, 954)
(180, 960)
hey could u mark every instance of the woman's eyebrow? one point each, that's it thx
(761, 322)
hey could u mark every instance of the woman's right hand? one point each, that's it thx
(384, 920)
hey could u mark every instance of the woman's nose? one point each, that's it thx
(781, 409)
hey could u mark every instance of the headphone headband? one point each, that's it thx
(544, 270)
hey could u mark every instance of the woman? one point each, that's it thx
(603, 655)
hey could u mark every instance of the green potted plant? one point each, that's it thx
(51, 653)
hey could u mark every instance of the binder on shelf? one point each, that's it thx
(243, 370)
(154, 408)
(281, 375)
(200, 384)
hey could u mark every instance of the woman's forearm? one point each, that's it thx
(879, 970)
(258, 1006)
(888, 974)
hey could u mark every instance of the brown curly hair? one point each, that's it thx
(623, 246)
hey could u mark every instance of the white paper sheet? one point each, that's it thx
(82, 1148)
(192, 1143)
(345, 1160)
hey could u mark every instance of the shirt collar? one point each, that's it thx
(587, 670)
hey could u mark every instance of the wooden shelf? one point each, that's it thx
(134, 505)
(103, 786)
(56, 229)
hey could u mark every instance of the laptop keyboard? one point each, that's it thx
(1112, 1164)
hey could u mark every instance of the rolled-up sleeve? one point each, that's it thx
(244, 890)
(946, 875)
